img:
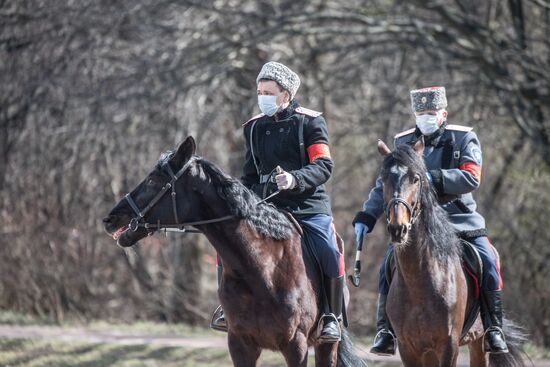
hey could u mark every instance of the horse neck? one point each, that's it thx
(416, 263)
(241, 248)
(224, 236)
(229, 241)
(245, 253)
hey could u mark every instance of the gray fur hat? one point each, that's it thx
(428, 99)
(281, 74)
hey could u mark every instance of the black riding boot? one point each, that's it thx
(384, 342)
(491, 314)
(218, 319)
(334, 288)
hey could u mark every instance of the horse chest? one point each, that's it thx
(416, 313)
(269, 316)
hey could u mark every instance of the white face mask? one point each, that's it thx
(428, 124)
(268, 104)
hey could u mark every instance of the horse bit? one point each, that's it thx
(139, 221)
(413, 211)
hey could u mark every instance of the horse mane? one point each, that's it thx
(265, 218)
(434, 231)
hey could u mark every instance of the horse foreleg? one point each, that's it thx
(409, 358)
(243, 353)
(477, 357)
(296, 351)
(449, 356)
(325, 354)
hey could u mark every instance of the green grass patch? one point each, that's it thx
(537, 352)
(44, 352)
(14, 318)
(41, 353)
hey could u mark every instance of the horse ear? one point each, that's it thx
(185, 151)
(383, 148)
(419, 146)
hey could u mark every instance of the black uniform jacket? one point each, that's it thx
(274, 141)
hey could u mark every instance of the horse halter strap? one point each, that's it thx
(413, 211)
(138, 221)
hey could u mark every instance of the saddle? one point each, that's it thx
(473, 271)
(311, 260)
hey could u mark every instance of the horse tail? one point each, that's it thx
(346, 356)
(515, 338)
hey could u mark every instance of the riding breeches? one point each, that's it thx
(491, 266)
(492, 280)
(320, 229)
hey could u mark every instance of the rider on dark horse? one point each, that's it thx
(287, 150)
(453, 158)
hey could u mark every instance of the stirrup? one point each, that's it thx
(486, 343)
(215, 317)
(321, 325)
(379, 336)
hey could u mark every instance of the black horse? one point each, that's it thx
(268, 291)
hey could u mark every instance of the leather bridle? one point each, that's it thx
(414, 212)
(139, 220)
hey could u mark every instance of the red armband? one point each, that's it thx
(473, 169)
(318, 151)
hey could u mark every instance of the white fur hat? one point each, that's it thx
(281, 74)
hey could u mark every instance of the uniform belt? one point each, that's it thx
(266, 178)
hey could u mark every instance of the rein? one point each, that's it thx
(414, 212)
(139, 222)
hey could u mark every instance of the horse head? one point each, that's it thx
(403, 176)
(153, 200)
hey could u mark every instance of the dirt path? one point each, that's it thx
(117, 337)
(84, 334)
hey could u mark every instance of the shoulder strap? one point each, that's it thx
(448, 149)
(403, 133)
(456, 152)
(254, 118)
(451, 151)
(459, 128)
(252, 147)
(306, 111)
(303, 158)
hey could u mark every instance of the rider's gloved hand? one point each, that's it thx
(361, 230)
(285, 181)
(429, 177)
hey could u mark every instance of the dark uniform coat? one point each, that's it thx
(453, 158)
(274, 142)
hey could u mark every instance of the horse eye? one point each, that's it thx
(150, 182)
(416, 179)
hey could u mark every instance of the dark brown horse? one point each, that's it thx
(268, 291)
(429, 295)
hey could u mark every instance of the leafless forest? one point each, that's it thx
(91, 93)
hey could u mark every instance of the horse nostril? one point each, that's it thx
(395, 231)
(108, 219)
(403, 231)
